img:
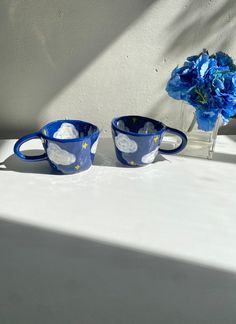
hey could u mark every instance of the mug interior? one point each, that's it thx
(137, 125)
(84, 129)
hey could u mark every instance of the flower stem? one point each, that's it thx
(192, 123)
(201, 95)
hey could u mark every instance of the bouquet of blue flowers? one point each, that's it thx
(208, 83)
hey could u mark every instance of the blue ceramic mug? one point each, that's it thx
(70, 145)
(137, 139)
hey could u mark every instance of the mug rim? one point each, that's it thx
(137, 134)
(66, 140)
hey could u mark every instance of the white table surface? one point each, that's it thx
(118, 245)
(181, 207)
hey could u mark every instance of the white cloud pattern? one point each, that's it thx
(121, 125)
(125, 144)
(150, 157)
(90, 131)
(60, 156)
(148, 128)
(66, 131)
(94, 146)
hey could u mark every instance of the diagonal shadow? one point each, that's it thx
(48, 277)
(229, 129)
(232, 137)
(105, 156)
(46, 44)
(205, 22)
(198, 25)
(224, 157)
(13, 163)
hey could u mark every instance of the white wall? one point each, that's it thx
(96, 59)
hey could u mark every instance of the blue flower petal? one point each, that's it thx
(217, 83)
(208, 83)
(223, 59)
(206, 119)
(204, 68)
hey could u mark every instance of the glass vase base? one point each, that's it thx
(200, 143)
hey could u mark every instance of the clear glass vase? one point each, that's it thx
(200, 143)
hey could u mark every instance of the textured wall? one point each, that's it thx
(97, 59)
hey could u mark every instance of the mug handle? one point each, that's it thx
(28, 158)
(182, 145)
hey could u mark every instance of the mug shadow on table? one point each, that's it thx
(50, 277)
(13, 163)
(105, 156)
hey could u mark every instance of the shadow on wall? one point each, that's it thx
(229, 129)
(200, 24)
(46, 44)
(208, 23)
(48, 278)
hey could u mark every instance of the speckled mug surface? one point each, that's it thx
(137, 139)
(65, 155)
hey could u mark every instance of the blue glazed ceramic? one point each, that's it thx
(69, 155)
(137, 139)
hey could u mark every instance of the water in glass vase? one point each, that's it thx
(200, 143)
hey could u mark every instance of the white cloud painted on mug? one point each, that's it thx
(94, 146)
(66, 131)
(125, 144)
(148, 128)
(60, 156)
(150, 157)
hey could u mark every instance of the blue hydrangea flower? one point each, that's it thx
(224, 59)
(208, 83)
